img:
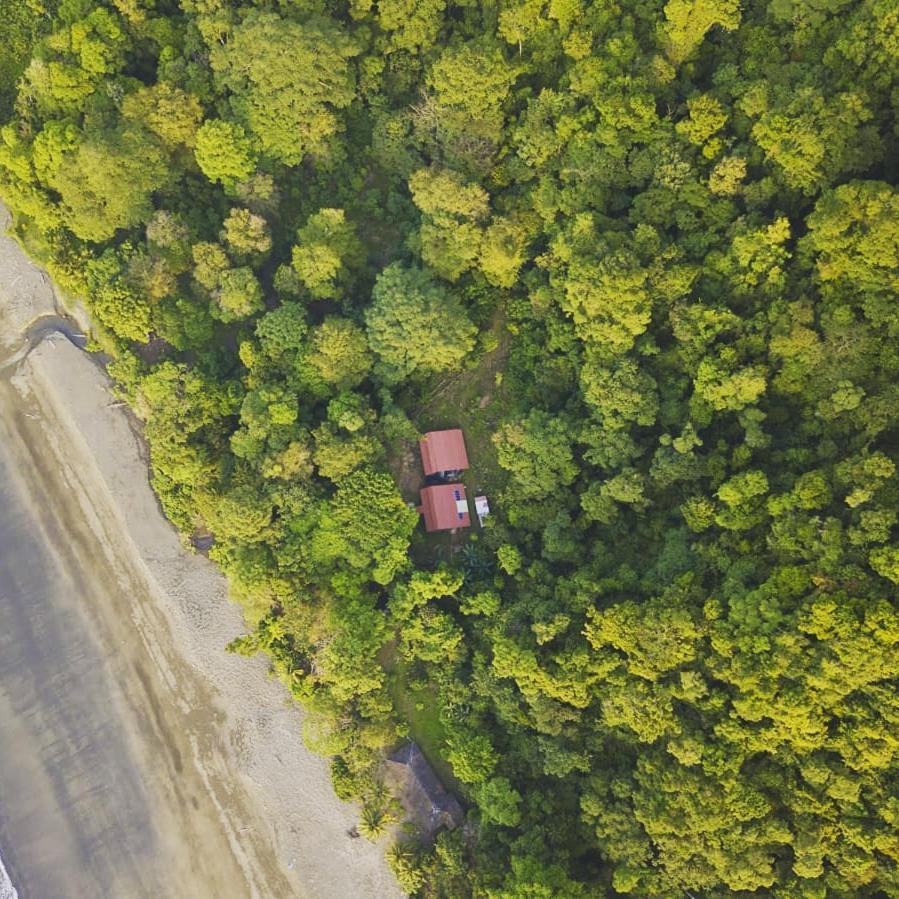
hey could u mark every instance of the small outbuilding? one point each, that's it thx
(426, 801)
(481, 508)
(443, 453)
(445, 507)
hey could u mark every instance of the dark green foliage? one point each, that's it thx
(19, 27)
(648, 256)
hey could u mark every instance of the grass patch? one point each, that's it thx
(420, 708)
(474, 400)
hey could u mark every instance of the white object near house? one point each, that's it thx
(482, 509)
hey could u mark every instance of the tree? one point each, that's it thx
(405, 865)
(621, 395)
(472, 756)
(854, 241)
(92, 45)
(810, 138)
(282, 331)
(727, 176)
(239, 515)
(448, 247)
(327, 251)
(238, 295)
(503, 252)
(96, 206)
(688, 21)
(169, 236)
(471, 83)
(224, 152)
(338, 353)
(210, 263)
(450, 235)
(532, 878)
(286, 79)
(367, 525)
(414, 326)
(172, 114)
(606, 294)
(655, 638)
(336, 455)
(115, 303)
(499, 802)
(445, 192)
(706, 118)
(536, 451)
(509, 558)
(99, 41)
(374, 821)
(246, 234)
(728, 388)
(413, 25)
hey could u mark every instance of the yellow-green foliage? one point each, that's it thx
(647, 257)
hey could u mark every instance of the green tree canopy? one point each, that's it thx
(414, 326)
(327, 250)
(96, 205)
(224, 152)
(286, 80)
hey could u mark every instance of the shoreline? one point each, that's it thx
(205, 718)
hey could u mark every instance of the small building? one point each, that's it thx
(481, 508)
(443, 453)
(444, 507)
(427, 802)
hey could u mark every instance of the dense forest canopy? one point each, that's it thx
(647, 255)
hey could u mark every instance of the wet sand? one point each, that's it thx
(137, 758)
(94, 794)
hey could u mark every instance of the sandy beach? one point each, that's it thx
(137, 757)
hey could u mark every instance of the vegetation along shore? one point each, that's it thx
(627, 625)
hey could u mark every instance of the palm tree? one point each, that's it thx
(375, 820)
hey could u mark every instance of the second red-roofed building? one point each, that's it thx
(444, 507)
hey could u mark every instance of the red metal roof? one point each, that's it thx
(444, 507)
(443, 451)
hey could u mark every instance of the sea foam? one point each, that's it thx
(7, 890)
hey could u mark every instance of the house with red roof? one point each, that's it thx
(443, 454)
(444, 507)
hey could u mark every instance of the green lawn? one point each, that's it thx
(421, 710)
